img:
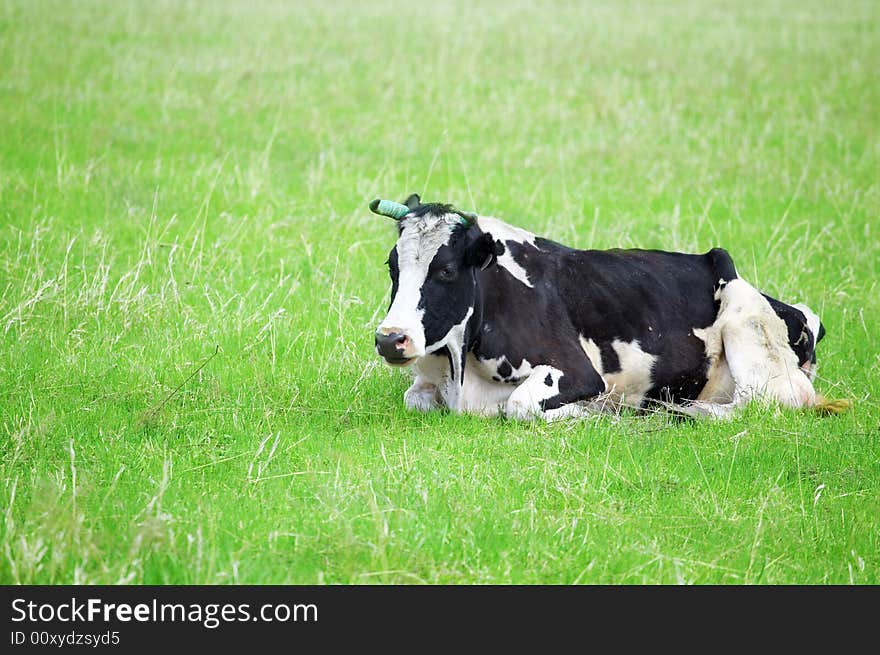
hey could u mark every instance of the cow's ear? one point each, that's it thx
(484, 251)
(413, 201)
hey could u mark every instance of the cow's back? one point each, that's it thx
(640, 307)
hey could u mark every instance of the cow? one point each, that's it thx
(496, 320)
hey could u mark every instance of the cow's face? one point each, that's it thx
(433, 269)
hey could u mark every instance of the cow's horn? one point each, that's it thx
(389, 208)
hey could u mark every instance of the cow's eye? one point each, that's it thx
(446, 274)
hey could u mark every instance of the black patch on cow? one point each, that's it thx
(686, 385)
(603, 296)
(433, 209)
(800, 338)
(394, 273)
(450, 288)
(419, 209)
(610, 360)
(483, 251)
(548, 380)
(722, 264)
(527, 256)
(579, 382)
(504, 370)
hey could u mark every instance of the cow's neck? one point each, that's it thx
(461, 340)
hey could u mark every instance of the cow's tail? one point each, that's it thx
(829, 406)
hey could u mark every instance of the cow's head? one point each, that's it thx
(433, 269)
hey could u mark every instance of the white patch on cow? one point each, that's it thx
(753, 343)
(480, 395)
(813, 323)
(419, 241)
(629, 385)
(503, 232)
(433, 380)
(525, 401)
(520, 402)
(720, 385)
(593, 354)
(431, 387)
(434, 383)
(757, 350)
(812, 319)
(432, 375)
(455, 337)
(483, 396)
(489, 366)
(454, 342)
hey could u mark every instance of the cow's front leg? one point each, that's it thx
(550, 393)
(432, 374)
(422, 395)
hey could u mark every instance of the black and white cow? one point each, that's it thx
(497, 320)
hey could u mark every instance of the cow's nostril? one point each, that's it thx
(392, 346)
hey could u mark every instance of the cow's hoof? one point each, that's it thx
(422, 400)
(521, 411)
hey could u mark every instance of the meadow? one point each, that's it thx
(190, 280)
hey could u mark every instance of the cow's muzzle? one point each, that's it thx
(394, 348)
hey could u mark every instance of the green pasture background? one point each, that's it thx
(190, 280)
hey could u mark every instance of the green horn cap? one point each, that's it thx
(389, 208)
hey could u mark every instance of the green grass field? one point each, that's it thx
(183, 198)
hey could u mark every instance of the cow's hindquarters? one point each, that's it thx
(751, 357)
